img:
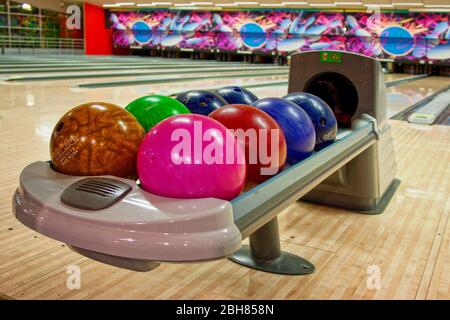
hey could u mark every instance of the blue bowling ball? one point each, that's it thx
(323, 118)
(237, 95)
(201, 101)
(297, 127)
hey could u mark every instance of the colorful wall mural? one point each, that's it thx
(381, 35)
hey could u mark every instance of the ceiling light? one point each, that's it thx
(111, 5)
(271, 5)
(437, 6)
(294, 3)
(201, 3)
(225, 5)
(125, 3)
(349, 3)
(408, 4)
(380, 5)
(430, 10)
(26, 6)
(145, 5)
(322, 5)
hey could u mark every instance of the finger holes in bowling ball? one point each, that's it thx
(338, 92)
(237, 89)
(323, 121)
(205, 103)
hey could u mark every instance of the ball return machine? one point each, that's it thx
(114, 221)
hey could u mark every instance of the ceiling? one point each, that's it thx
(412, 5)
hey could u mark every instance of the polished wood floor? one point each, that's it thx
(409, 243)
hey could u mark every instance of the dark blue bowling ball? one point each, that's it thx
(322, 117)
(297, 127)
(201, 101)
(237, 95)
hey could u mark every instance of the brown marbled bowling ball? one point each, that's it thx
(96, 138)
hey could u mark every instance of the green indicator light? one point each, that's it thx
(331, 57)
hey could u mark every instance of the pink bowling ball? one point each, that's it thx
(191, 156)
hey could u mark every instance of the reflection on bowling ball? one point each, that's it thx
(322, 117)
(297, 127)
(201, 101)
(150, 110)
(235, 94)
(185, 156)
(96, 138)
(265, 146)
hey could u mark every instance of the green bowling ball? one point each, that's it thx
(150, 110)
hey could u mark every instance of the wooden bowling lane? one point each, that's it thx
(27, 59)
(401, 97)
(138, 61)
(170, 79)
(18, 67)
(84, 58)
(127, 72)
(29, 93)
(71, 68)
(270, 91)
(396, 76)
(33, 59)
(36, 61)
(43, 96)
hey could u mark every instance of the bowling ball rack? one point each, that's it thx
(137, 230)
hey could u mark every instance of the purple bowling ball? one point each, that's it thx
(297, 127)
(322, 116)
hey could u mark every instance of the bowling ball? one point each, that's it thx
(185, 156)
(150, 110)
(258, 131)
(321, 115)
(297, 127)
(235, 94)
(96, 138)
(201, 101)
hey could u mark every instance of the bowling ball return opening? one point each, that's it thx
(338, 92)
(355, 84)
(114, 221)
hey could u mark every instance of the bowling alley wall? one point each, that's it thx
(409, 36)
